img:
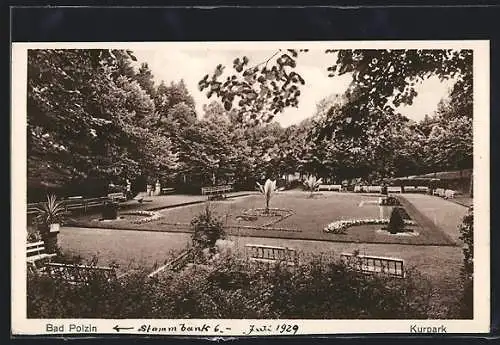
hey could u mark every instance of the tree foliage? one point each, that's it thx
(99, 114)
(259, 91)
(89, 117)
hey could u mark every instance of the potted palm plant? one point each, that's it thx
(49, 217)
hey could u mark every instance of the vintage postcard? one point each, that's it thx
(250, 188)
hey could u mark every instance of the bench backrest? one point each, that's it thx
(375, 264)
(330, 187)
(79, 274)
(393, 189)
(439, 191)
(35, 248)
(118, 195)
(215, 189)
(374, 189)
(271, 253)
(449, 193)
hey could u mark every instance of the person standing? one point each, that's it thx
(129, 189)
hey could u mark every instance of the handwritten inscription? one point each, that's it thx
(183, 328)
(288, 329)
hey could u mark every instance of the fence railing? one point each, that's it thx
(71, 204)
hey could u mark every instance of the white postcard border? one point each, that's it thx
(21, 325)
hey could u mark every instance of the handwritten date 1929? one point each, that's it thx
(280, 329)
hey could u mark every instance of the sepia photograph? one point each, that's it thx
(293, 181)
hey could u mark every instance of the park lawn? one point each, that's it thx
(310, 216)
(133, 249)
(128, 249)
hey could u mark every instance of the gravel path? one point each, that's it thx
(446, 215)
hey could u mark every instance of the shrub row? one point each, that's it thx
(236, 288)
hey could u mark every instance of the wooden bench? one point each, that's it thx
(216, 190)
(117, 196)
(165, 191)
(35, 253)
(79, 274)
(73, 203)
(393, 189)
(439, 192)
(421, 189)
(374, 264)
(330, 187)
(373, 189)
(271, 254)
(449, 194)
(92, 202)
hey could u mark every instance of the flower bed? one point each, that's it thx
(149, 216)
(341, 226)
(261, 212)
(278, 213)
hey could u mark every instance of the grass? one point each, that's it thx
(127, 249)
(160, 241)
(310, 216)
(130, 249)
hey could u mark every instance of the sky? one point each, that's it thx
(191, 64)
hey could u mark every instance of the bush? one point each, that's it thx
(233, 288)
(467, 236)
(207, 229)
(390, 201)
(110, 210)
(396, 222)
(34, 237)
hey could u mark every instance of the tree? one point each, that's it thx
(389, 76)
(167, 97)
(87, 120)
(66, 113)
(382, 79)
(145, 79)
(259, 91)
(214, 112)
(370, 138)
(152, 150)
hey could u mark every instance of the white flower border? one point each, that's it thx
(150, 216)
(341, 226)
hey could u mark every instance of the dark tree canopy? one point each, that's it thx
(89, 117)
(101, 114)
